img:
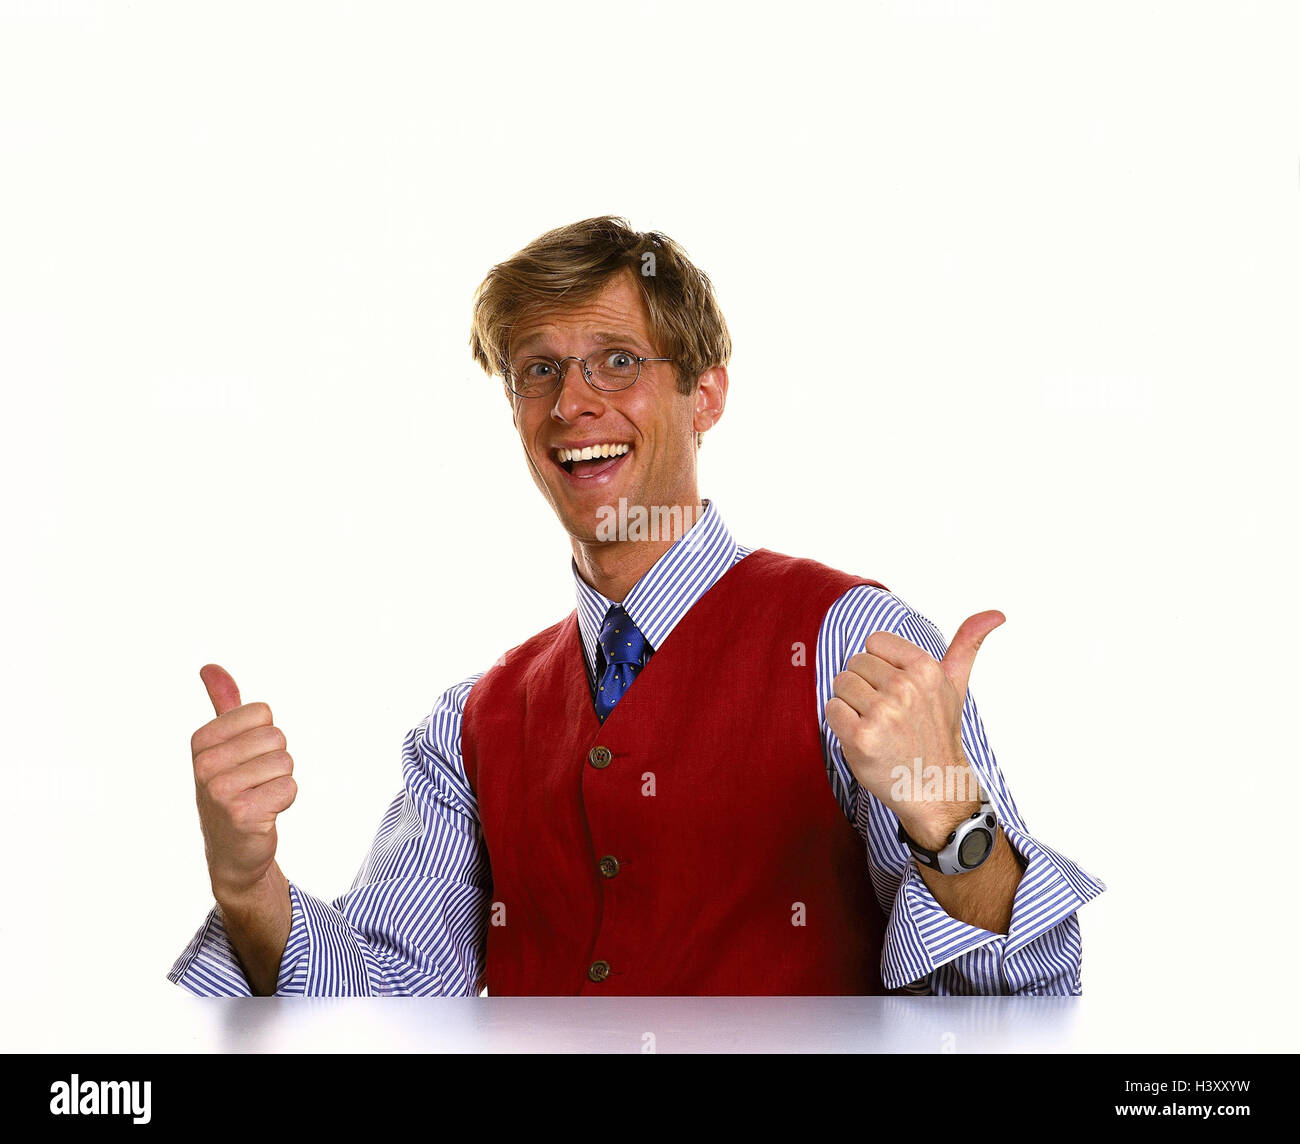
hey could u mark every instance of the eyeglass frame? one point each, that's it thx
(586, 373)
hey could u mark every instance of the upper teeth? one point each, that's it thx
(591, 452)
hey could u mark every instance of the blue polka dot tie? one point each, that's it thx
(623, 651)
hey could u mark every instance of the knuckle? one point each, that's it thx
(274, 766)
(261, 712)
(244, 816)
(221, 788)
(280, 794)
(206, 737)
(261, 740)
(205, 767)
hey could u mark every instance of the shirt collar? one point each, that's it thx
(690, 567)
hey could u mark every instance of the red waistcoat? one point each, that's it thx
(691, 844)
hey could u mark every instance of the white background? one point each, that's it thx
(1013, 290)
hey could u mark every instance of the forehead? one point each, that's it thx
(617, 312)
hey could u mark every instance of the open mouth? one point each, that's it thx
(592, 460)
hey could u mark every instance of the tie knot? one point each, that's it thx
(620, 639)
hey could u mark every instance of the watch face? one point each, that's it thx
(974, 848)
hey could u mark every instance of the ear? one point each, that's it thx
(710, 398)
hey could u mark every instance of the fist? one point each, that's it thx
(243, 778)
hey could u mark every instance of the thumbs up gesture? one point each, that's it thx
(243, 779)
(895, 704)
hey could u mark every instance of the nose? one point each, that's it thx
(574, 396)
(563, 363)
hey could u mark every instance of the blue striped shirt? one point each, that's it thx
(414, 922)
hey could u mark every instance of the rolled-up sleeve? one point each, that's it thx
(413, 922)
(925, 949)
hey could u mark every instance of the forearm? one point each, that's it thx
(257, 923)
(982, 897)
(413, 924)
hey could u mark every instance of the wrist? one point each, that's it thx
(248, 900)
(965, 848)
(930, 825)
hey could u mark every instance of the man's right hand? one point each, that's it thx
(243, 778)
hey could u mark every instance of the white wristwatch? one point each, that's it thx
(965, 849)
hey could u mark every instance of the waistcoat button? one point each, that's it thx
(609, 865)
(599, 970)
(600, 757)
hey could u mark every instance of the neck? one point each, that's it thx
(613, 567)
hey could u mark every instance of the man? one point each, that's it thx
(729, 771)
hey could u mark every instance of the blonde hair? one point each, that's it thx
(572, 264)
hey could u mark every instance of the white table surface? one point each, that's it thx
(171, 1021)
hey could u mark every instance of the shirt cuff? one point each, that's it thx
(1040, 953)
(323, 956)
(209, 967)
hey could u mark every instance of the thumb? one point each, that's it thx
(961, 652)
(221, 688)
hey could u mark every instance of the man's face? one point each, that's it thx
(651, 420)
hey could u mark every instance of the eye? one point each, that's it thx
(619, 359)
(537, 369)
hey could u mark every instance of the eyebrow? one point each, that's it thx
(603, 337)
